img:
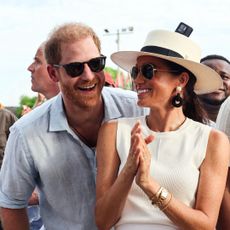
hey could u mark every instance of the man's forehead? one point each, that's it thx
(217, 64)
(83, 49)
(39, 52)
(215, 61)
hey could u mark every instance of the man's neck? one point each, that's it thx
(51, 93)
(86, 122)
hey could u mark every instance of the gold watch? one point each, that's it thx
(162, 197)
(164, 194)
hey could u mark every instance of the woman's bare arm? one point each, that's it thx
(112, 189)
(211, 186)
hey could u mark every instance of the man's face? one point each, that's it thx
(223, 69)
(39, 76)
(84, 90)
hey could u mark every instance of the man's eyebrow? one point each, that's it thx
(224, 73)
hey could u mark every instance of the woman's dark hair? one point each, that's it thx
(192, 106)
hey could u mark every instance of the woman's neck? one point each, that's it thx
(165, 121)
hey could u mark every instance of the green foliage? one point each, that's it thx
(112, 72)
(121, 79)
(25, 100)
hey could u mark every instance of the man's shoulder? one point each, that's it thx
(121, 103)
(120, 98)
(119, 93)
(7, 117)
(226, 103)
(6, 112)
(224, 112)
(34, 117)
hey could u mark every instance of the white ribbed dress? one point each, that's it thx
(176, 159)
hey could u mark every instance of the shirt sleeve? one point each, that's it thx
(223, 118)
(17, 177)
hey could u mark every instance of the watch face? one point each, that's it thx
(164, 194)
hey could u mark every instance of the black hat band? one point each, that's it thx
(160, 50)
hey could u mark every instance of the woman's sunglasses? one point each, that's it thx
(75, 69)
(147, 70)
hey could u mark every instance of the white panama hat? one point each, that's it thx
(177, 48)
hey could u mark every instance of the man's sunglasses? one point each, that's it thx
(75, 69)
(147, 70)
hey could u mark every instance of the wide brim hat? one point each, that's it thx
(177, 48)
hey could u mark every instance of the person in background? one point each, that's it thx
(40, 79)
(46, 88)
(109, 80)
(53, 146)
(212, 101)
(165, 170)
(223, 124)
(7, 119)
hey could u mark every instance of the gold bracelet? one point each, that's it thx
(160, 197)
(155, 197)
(166, 206)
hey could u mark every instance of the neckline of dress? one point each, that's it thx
(181, 127)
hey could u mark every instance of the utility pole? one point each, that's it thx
(118, 33)
(122, 31)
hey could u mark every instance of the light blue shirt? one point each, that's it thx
(43, 151)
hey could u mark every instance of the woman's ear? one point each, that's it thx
(183, 79)
(52, 73)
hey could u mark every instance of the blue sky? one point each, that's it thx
(24, 24)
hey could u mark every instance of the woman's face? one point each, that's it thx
(158, 91)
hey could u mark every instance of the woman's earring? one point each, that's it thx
(177, 100)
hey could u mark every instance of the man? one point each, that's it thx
(53, 147)
(212, 101)
(40, 79)
(223, 123)
(46, 89)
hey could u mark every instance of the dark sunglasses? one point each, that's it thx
(75, 69)
(147, 70)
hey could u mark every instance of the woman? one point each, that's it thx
(166, 170)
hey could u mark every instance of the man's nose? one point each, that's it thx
(30, 67)
(87, 74)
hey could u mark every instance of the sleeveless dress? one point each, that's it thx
(176, 160)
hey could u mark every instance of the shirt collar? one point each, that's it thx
(58, 121)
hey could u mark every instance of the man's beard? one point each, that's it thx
(79, 100)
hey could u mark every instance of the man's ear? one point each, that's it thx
(52, 73)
